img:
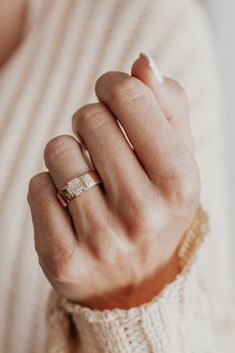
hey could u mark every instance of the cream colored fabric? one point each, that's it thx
(150, 327)
(163, 325)
(67, 45)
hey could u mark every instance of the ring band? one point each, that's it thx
(77, 186)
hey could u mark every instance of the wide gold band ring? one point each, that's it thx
(77, 186)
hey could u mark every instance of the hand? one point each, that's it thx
(116, 245)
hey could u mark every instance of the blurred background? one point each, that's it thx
(222, 16)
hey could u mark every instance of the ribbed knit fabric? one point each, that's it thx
(67, 45)
(160, 326)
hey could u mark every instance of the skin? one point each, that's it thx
(116, 245)
(12, 15)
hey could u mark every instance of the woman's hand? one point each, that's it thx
(116, 246)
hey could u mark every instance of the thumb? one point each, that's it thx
(170, 96)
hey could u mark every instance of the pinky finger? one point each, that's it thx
(55, 239)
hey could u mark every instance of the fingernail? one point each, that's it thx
(153, 67)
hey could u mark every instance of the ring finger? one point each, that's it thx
(64, 160)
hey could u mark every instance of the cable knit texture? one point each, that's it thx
(148, 328)
(67, 44)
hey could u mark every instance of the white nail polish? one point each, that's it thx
(153, 67)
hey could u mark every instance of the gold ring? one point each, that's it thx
(77, 186)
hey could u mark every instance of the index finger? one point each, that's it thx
(156, 144)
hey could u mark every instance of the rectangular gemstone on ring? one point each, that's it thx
(76, 186)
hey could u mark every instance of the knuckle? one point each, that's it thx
(36, 183)
(140, 215)
(58, 146)
(186, 180)
(190, 184)
(107, 81)
(92, 116)
(127, 89)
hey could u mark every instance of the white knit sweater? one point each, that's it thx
(67, 45)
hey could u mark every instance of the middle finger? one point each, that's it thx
(110, 152)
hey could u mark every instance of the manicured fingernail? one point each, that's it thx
(153, 67)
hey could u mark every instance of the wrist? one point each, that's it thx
(137, 294)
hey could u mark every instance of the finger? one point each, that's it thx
(170, 96)
(55, 239)
(156, 143)
(64, 160)
(110, 152)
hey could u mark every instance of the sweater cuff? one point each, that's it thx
(162, 325)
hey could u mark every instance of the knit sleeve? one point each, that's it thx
(169, 323)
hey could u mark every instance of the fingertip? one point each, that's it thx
(169, 95)
(140, 69)
(146, 69)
